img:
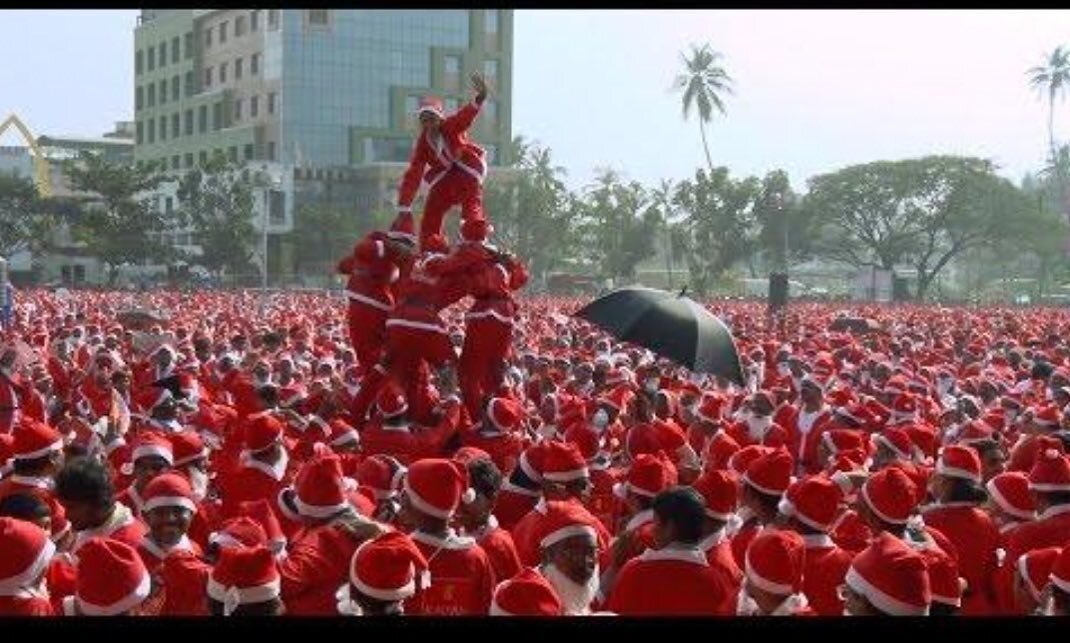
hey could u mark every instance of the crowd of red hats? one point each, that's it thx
(268, 454)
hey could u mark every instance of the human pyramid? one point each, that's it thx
(423, 456)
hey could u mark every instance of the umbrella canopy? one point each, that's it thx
(672, 326)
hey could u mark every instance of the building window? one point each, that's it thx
(163, 128)
(222, 32)
(187, 122)
(490, 112)
(271, 103)
(202, 119)
(139, 133)
(273, 19)
(150, 58)
(150, 98)
(412, 103)
(207, 77)
(248, 152)
(254, 18)
(217, 116)
(271, 150)
(187, 160)
(453, 64)
(254, 106)
(386, 149)
(202, 158)
(237, 110)
(318, 16)
(222, 73)
(490, 20)
(189, 83)
(163, 55)
(239, 26)
(163, 91)
(254, 64)
(490, 68)
(138, 96)
(238, 68)
(207, 37)
(174, 166)
(138, 62)
(176, 129)
(232, 154)
(175, 89)
(175, 52)
(189, 44)
(151, 130)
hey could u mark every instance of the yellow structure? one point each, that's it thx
(40, 163)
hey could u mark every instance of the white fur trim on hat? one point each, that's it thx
(152, 450)
(568, 476)
(397, 594)
(767, 491)
(140, 593)
(244, 596)
(567, 532)
(955, 472)
(528, 470)
(13, 584)
(1023, 571)
(318, 511)
(423, 505)
(880, 439)
(169, 501)
(882, 601)
(1006, 506)
(496, 610)
(40, 453)
(789, 509)
(765, 584)
(348, 437)
(190, 458)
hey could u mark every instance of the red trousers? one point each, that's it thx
(486, 344)
(457, 187)
(367, 332)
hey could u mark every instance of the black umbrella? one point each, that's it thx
(672, 326)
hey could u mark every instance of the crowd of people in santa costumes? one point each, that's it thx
(438, 446)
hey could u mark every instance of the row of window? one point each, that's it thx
(186, 161)
(146, 131)
(146, 95)
(453, 66)
(239, 70)
(153, 57)
(252, 20)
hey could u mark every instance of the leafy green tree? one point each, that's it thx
(26, 220)
(217, 200)
(703, 83)
(119, 218)
(617, 227)
(324, 233)
(1052, 79)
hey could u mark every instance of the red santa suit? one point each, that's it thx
(1049, 530)
(409, 443)
(452, 166)
(371, 269)
(462, 577)
(686, 585)
(10, 402)
(185, 576)
(975, 538)
(500, 549)
(121, 525)
(25, 603)
(153, 554)
(42, 488)
(254, 480)
(826, 567)
(316, 564)
(718, 549)
(804, 433)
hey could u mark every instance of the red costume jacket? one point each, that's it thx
(431, 160)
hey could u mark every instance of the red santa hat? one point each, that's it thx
(382, 475)
(563, 462)
(561, 519)
(711, 407)
(436, 486)
(719, 451)
(431, 105)
(720, 490)
(342, 433)
(891, 495)
(168, 490)
(111, 578)
(241, 531)
(904, 405)
(648, 476)
(896, 440)
(959, 462)
(319, 491)
(585, 439)
(260, 511)
(770, 473)
(814, 501)
(467, 455)
(151, 444)
(1034, 567)
(244, 576)
(775, 560)
(944, 581)
(187, 447)
(27, 551)
(505, 414)
(975, 432)
(892, 576)
(262, 432)
(837, 440)
(1048, 417)
(857, 413)
(1060, 571)
(742, 459)
(389, 568)
(1050, 472)
(391, 401)
(476, 230)
(530, 462)
(33, 440)
(1010, 491)
(526, 594)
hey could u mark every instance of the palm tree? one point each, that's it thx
(1053, 78)
(703, 84)
(661, 199)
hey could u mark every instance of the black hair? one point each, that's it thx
(685, 509)
(521, 479)
(24, 506)
(942, 609)
(1057, 497)
(85, 480)
(485, 477)
(24, 467)
(1041, 371)
(269, 395)
(265, 608)
(962, 490)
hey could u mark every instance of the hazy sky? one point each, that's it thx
(815, 90)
